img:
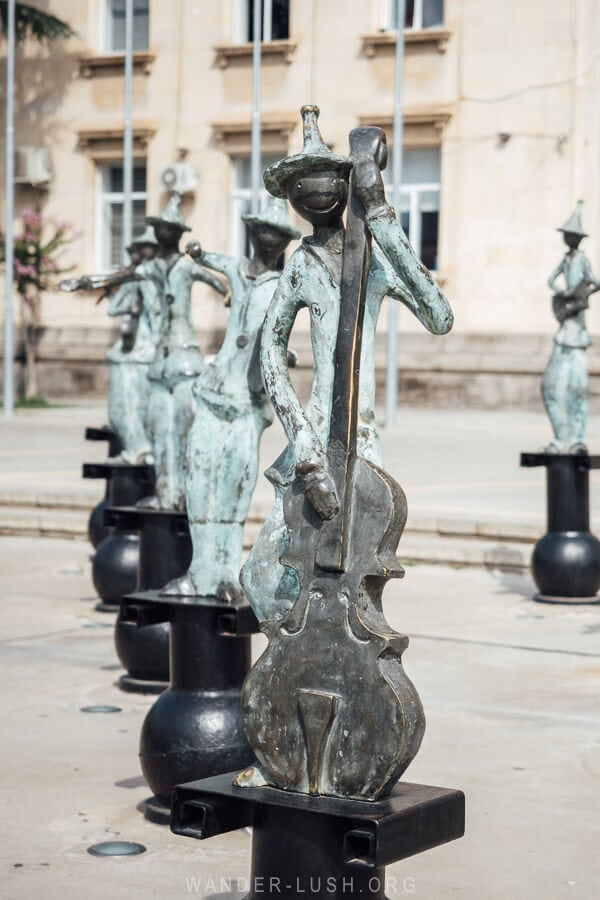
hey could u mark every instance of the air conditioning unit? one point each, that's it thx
(32, 166)
(180, 176)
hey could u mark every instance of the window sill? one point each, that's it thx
(426, 37)
(278, 50)
(114, 63)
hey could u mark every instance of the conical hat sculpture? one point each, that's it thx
(315, 157)
(275, 216)
(170, 214)
(573, 224)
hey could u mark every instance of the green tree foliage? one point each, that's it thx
(34, 24)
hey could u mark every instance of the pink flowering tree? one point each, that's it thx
(37, 268)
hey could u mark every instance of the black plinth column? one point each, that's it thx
(319, 846)
(97, 530)
(115, 564)
(194, 729)
(566, 560)
(165, 552)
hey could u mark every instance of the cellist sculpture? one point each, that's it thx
(328, 709)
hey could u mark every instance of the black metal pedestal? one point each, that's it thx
(115, 564)
(320, 847)
(97, 530)
(165, 552)
(194, 730)
(566, 560)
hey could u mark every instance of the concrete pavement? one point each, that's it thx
(511, 691)
(469, 502)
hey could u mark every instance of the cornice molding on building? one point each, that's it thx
(107, 142)
(235, 136)
(282, 50)
(114, 63)
(385, 40)
(422, 127)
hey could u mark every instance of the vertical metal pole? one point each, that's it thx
(9, 161)
(391, 374)
(128, 132)
(255, 156)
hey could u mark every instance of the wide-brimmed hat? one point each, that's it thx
(146, 237)
(170, 214)
(315, 157)
(275, 216)
(573, 224)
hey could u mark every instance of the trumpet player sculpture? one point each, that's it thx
(131, 355)
(328, 709)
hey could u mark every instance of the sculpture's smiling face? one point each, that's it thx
(320, 198)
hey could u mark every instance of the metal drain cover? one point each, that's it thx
(100, 709)
(116, 848)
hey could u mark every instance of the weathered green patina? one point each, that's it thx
(231, 412)
(565, 383)
(130, 356)
(316, 183)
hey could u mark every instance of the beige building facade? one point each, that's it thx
(501, 137)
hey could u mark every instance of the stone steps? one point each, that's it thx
(457, 540)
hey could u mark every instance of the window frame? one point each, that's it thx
(241, 21)
(387, 14)
(105, 31)
(103, 200)
(413, 192)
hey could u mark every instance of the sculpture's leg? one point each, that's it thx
(222, 467)
(127, 399)
(270, 587)
(555, 393)
(183, 413)
(161, 428)
(578, 394)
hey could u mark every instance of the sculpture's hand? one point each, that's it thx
(292, 359)
(319, 488)
(194, 249)
(368, 185)
(70, 284)
(227, 298)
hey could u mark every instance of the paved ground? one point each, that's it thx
(511, 691)
(511, 688)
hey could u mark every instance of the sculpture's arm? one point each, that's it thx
(125, 300)
(279, 321)
(94, 282)
(199, 273)
(227, 265)
(421, 295)
(552, 283)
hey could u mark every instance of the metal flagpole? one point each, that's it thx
(128, 132)
(9, 161)
(255, 156)
(391, 375)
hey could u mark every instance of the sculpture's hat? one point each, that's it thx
(146, 237)
(315, 157)
(275, 216)
(573, 224)
(170, 214)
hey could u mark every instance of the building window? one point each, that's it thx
(275, 20)
(419, 14)
(114, 25)
(110, 211)
(241, 201)
(420, 201)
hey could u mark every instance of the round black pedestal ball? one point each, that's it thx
(191, 734)
(566, 565)
(115, 565)
(97, 530)
(144, 653)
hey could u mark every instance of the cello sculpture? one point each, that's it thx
(328, 709)
(331, 680)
